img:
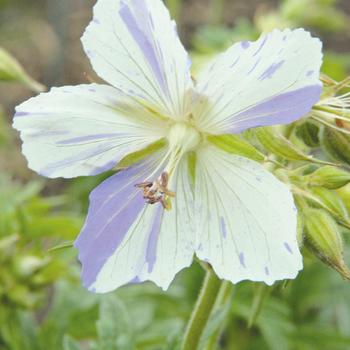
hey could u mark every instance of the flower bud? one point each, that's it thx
(11, 70)
(332, 202)
(308, 132)
(336, 144)
(276, 143)
(329, 177)
(323, 238)
(344, 194)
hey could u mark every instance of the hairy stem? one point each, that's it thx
(202, 310)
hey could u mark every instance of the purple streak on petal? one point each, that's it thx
(114, 206)
(242, 260)
(267, 271)
(309, 73)
(223, 227)
(280, 109)
(95, 20)
(287, 246)
(245, 44)
(21, 114)
(261, 45)
(235, 62)
(86, 138)
(82, 157)
(151, 252)
(103, 168)
(135, 280)
(271, 70)
(254, 66)
(49, 133)
(139, 26)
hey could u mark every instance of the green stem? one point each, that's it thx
(260, 295)
(224, 296)
(201, 311)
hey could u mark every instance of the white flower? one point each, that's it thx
(226, 209)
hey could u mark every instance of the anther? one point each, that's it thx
(157, 191)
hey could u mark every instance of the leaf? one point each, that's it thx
(114, 326)
(70, 344)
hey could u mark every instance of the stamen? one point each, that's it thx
(157, 191)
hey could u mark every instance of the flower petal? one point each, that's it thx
(134, 45)
(246, 219)
(125, 240)
(81, 130)
(274, 80)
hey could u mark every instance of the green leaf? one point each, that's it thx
(70, 344)
(273, 141)
(114, 326)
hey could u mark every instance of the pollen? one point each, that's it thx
(157, 191)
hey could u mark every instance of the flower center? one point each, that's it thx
(182, 138)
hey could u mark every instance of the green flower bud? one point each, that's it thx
(308, 132)
(336, 144)
(12, 71)
(276, 143)
(323, 238)
(344, 194)
(329, 177)
(332, 201)
(236, 145)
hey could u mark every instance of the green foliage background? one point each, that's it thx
(42, 304)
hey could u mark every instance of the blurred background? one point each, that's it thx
(42, 305)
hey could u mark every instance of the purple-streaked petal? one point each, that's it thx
(126, 240)
(82, 130)
(246, 220)
(134, 45)
(274, 80)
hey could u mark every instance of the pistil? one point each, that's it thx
(182, 138)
